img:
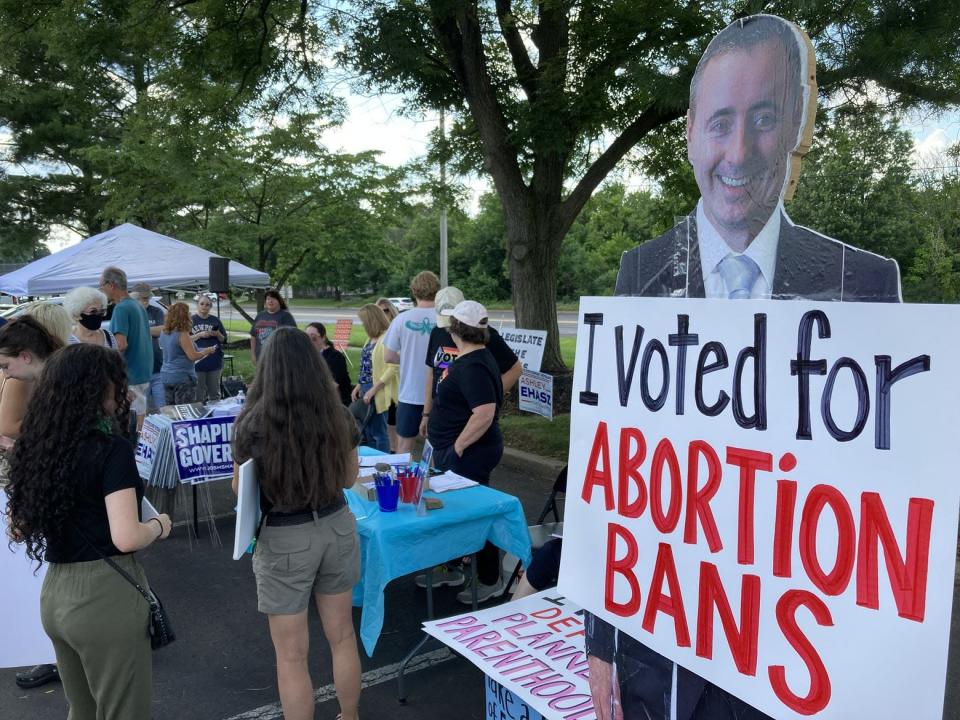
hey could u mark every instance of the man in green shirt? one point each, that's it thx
(131, 327)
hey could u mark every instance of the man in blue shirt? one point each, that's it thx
(131, 328)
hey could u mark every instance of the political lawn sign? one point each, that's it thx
(527, 345)
(202, 448)
(504, 705)
(772, 488)
(533, 647)
(536, 393)
(147, 445)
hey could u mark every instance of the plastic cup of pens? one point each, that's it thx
(411, 484)
(387, 489)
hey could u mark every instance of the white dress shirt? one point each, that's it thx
(713, 249)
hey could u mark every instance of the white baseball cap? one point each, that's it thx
(469, 312)
(447, 298)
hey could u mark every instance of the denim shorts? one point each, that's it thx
(293, 562)
(408, 419)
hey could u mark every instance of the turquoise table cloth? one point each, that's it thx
(399, 543)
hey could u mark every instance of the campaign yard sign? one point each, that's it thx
(533, 647)
(147, 446)
(771, 488)
(527, 345)
(202, 448)
(504, 705)
(536, 393)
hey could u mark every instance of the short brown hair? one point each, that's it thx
(374, 321)
(469, 333)
(424, 285)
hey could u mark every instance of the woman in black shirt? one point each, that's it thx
(462, 426)
(336, 360)
(74, 496)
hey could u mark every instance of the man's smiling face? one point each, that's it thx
(740, 130)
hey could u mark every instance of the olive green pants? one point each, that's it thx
(99, 625)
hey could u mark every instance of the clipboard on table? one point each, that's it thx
(248, 509)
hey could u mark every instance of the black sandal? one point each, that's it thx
(37, 675)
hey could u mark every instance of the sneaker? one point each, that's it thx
(484, 592)
(442, 576)
(37, 675)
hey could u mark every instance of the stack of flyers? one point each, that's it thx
(155, 461)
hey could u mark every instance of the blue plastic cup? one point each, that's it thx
(387, 496)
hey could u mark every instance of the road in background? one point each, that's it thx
(567, 321)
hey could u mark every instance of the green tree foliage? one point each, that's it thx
(856, 184)
(550, 95)
(934, 274)
(279, 201)
(612, 222)
(110, 104)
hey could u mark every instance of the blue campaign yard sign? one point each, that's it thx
(202, 448)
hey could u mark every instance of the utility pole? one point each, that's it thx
(443, 209)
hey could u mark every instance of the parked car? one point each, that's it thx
(19, 310)
(402, 303)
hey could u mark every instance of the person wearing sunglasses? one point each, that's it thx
(87, 308)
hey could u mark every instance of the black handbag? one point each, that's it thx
(161, 631)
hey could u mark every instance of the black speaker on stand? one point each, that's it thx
(219, 277)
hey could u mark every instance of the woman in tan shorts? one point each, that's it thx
(303, 442)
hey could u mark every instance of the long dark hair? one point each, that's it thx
(62, 430)
(294, 425)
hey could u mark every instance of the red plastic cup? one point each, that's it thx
(408, 488)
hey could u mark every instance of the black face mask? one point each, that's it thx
(91, 322)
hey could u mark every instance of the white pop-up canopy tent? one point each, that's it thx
(145, 256)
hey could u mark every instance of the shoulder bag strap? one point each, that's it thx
(111, 563)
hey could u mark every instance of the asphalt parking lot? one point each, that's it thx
(221, 666)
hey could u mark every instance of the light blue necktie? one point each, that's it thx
(739, 272)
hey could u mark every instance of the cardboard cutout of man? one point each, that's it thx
(752, 108)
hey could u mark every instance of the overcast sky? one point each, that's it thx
(376, 123)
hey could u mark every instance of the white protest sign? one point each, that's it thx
(532, 646)
(536, 393)
(248, 508)
(772, 488)
(504, 705)
(22, 639)
(527, 345)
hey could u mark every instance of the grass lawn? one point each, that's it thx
(538, 435)
(522, 431)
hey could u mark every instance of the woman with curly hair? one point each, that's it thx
(302, 441)
(74, 496)
(177, 372)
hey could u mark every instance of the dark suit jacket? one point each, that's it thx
(809, 266)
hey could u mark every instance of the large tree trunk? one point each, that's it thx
(532, 251)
